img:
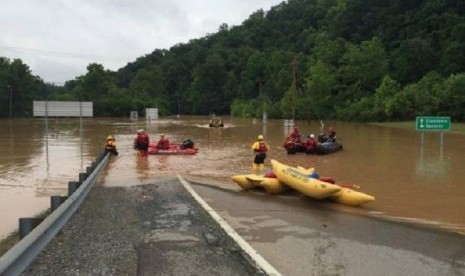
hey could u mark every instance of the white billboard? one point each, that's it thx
(62, 109)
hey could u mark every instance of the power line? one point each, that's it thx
(61, 54)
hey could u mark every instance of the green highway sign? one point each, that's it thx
(433, 123)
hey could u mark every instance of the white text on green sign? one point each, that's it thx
(433, 123)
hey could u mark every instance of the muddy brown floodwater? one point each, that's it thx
(411, 182)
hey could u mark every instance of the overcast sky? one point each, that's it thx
(57, 39)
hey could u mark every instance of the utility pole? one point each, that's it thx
(11, 100)
(294, 85)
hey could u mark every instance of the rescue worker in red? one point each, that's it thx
(295, 134)
(141, 143)
(163, 143)
(260, 148)
(331, 134)
(288, 143)
(311, 144)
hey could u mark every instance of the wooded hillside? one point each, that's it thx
(363, 60)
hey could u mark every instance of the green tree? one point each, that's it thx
(413, 59)
(5, 87)
(94, 84)
(363, 66)
(147, 88)
(318, 100)
(427, 90)
(22, 87)
(452, 100)
(383, 99)
(206, 93)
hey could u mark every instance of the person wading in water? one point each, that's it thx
(260, 148)
(141, 143)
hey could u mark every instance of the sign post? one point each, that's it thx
(433, 123)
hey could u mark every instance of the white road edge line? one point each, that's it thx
(253, 254)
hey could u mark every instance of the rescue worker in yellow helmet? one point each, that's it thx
(110, 145)
(260, 148)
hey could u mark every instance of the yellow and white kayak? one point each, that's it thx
(243, 180)
(300, 181)
(308, 171)
(351, 197)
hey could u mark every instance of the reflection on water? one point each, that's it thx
(432, 163)
(436, 168)
(142, 168)
(410, 182)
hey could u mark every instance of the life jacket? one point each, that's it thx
(295, 135)
(163, 144)
(142, 139)
(261, 147)
(311, 144)
(110, 144)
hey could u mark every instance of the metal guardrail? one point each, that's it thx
(19, 257)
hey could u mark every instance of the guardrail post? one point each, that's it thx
(89, 170)
(101, 156)
(56, 201)
(72, 187)
(82, 177)
(27, 224)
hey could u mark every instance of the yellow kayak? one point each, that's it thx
(274, 186)
(301, 182)
(271, 185)
(350, 197)
(308, 171)
(243, 180)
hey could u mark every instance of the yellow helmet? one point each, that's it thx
(109, 137)
(260, 137)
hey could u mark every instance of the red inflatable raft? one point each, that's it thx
(174, 149)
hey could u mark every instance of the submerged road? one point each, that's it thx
(159, 229)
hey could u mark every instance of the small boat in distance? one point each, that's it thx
(216, 122)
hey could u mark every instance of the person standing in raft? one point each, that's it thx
(311, 144)
(295, 135)
(260, 148)
(110, 145)
(331, 135)
(141, 143)
(163, 143)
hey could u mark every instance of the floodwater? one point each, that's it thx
(413, 179)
